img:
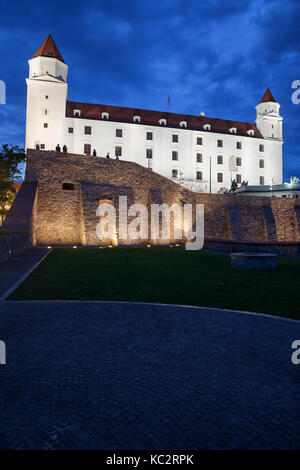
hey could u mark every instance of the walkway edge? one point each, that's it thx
(22, 278)
(126, 302)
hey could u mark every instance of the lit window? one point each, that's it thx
(174, 155)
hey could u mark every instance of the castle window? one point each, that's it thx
(220, 177)
(250, 132)
(149, 136)
(261, 180)
(220, 143)
(261, 148)
(199, 157)
(261, 163)
(183, 124)
(207, 127)
(199, 175)
(174, 173)
(118, 151)
(149, 153)
(42, 146)
(46, 97)
(238, 179)
(220, 159)
(76, 113)
(175, 138)
(174, 155)
(119, 132)
(104, 115)
(70, 130)
(199, 140)
(45, 124)
(162, 122)
(239, 145)
(136, 119)
(68, 187)
(87, 149)
(87, 130)
(233, 130)
(45, 111)
(238, 161)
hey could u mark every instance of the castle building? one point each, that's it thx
(203, 154)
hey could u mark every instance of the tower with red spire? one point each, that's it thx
(268, 119)
(47, 94)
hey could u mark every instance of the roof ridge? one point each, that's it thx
(159, 111)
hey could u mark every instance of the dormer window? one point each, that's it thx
(233, 130)
(76, 113)
(104, 115)
(250, 132)
(162, 122)
(183, 124)
(207, 127)
(136, 119)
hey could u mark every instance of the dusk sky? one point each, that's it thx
(215, 56)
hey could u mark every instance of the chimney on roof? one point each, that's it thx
(202, 113)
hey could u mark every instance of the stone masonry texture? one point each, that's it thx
(67, 217)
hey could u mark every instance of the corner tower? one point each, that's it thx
(268, 119)
(47, 94)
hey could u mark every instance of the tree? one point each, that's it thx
(10, 158)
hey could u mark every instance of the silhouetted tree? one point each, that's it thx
(10, 159)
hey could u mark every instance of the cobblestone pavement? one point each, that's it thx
(86, 375)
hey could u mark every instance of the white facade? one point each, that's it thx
(249, 153)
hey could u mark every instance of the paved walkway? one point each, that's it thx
(13, 270)
(87, 375)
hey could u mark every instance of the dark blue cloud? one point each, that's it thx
(212, 56)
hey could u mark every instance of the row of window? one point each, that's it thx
(149, 136)
(199, 177)
(149, 154)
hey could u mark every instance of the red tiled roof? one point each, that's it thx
(17, 185)
(151, 118)
(49, 49)
(268, 97)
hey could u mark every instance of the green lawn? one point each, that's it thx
(167, 275)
